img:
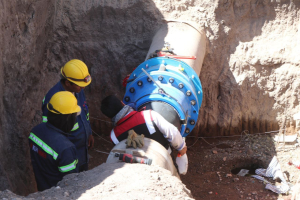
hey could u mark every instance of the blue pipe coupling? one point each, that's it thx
(170, 81)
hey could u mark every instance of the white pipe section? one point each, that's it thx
(151, 149)
(186, 39)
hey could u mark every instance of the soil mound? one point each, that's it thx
(115, 181)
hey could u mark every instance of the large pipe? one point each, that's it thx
(186, 39)
(151, 149)
(169, 83)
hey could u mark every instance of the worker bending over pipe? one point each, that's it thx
(144, 122)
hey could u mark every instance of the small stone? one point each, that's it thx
(228, 175)
(250, 152)
(224, 159)
(214, 152)
(57, 187)
(66, 194)
(210, 192)
(236, 179)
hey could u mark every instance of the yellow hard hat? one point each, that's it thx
(63, 102)
(77, 72)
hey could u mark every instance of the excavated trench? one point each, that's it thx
(249, 76)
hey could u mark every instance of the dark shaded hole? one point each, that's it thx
(223, 146)
(251, 168)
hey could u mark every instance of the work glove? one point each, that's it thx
(182, 163)
(134, 140)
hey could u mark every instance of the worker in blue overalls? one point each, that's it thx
(53, 155)
(74, 78)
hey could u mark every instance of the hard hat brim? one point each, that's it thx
(80, 83)
(77, 109)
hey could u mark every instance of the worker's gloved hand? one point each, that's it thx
(134, 140)
(182, 163)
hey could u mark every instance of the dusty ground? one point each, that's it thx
(116, 181)
(213, 167)
(214, 163)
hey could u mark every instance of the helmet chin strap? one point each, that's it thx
(51, 108)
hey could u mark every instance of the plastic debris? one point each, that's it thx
(286, 138)
(243, 172)
(273, 171)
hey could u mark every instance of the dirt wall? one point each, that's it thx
(249, 75)
(25, 33)
(250, 70)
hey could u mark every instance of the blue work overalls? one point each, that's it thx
(82, 129)
(53, 155)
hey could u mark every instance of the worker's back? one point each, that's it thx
(142, 123)
(52, 155)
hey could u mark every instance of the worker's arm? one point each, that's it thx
(67, 161)
(170, 132)
(85, 109)
(91, 141)
(46, 99)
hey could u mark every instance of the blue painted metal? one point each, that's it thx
(165, 91)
